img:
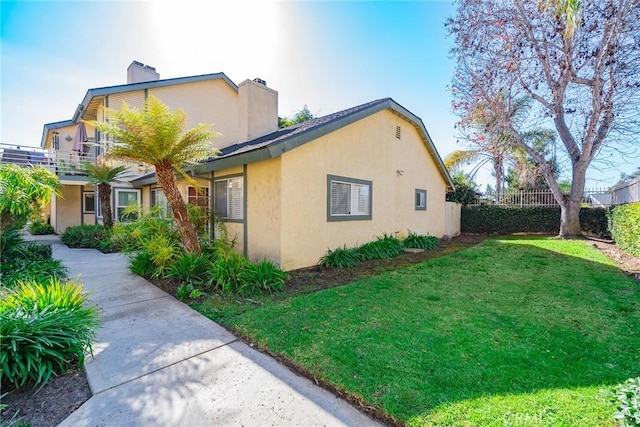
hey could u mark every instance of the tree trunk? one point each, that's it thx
(570, 208)
(104, 191)
(167, 181)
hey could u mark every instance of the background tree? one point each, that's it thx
(466, 190)
(578, 62)
(300, 117)
(22, 191)
(102, 175)
(155, 135)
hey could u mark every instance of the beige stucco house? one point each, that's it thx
(285, 194)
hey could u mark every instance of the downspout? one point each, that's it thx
(212, 224)
(245, 223)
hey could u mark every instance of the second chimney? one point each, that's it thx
(138, 72)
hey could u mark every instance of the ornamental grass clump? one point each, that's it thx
(420, 241)
(45, 329)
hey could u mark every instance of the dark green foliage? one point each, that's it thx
(9, 239)
(385, 246)
(86, 236)
(420, 241)
(341, 257)
(20, 270)
(228, 271)
(191, 268)
(263, 277)
(141, 263)
(28, 262)
(466, 190)
(624, 223)
(526, 219)
(33, 251)
(40, 228)
(44, 328)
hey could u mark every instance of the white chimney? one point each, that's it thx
(138, 72)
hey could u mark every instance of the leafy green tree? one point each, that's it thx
(102, 175)
(22, 191)
(155, 135)
(300, 117)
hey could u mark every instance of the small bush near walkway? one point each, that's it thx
(94, 236)
(624, 221)
(45, 329)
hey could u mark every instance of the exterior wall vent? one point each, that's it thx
(398, 130)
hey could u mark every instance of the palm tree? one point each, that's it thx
(155, 135)
(102, 175)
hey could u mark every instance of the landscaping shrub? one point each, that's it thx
(86, 236)
(136, 235)
(262, 277)
(23, 262)
(624, 223)
(420, 241)
(341, 257)
(193, 269)
(10, 239)
(526, 219)
(140, 263)
(385, 246)
(44, 328)
(228, 271)
(626, 397)
(40, 228)
(188, 291)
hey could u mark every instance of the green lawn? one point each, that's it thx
(513, 332)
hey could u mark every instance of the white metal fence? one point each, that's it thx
(595, 197)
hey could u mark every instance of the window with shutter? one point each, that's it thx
(348, 199)
(228, 197)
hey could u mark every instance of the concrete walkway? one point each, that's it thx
(157, 362)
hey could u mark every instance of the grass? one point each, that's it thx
(516, 331)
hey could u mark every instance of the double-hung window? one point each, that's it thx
(88, 202)
(229, 198)
(160, 200)
(124, 199)
(348, 199)
(421, 200)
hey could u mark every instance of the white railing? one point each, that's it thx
(596, 197)
(63, 163)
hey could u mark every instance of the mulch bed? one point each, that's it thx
(61, 396)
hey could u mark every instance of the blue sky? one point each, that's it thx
(326, 55)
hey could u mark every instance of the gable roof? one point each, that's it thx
(110, 90)
(286, 139)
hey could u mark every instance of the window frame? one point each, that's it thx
(418, 192)
(85, 205)
(350, 181)
(226, 179)
(116, 205)
(166, 209)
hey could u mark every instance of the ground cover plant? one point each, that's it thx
(514, 331)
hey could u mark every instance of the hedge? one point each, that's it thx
(624, 223)
(527, 219)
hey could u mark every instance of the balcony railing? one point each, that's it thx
(62, 163)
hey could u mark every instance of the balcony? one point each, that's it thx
(65, 164)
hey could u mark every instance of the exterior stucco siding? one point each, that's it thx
(365, 150)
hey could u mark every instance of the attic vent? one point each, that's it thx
(260, 81)
(398, 132)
